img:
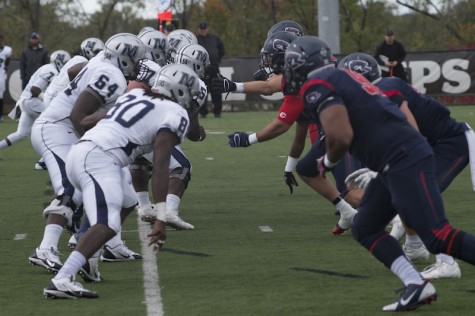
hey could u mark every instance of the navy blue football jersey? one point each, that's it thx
(432, 117)
(382, 135)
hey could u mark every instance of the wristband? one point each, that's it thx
(328, 164)
(239, 86)
(291, 163)
(161, 208)
(253, 138)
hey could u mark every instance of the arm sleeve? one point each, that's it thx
(290, 110)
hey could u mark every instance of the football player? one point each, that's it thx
(448, 138)
(30, 102)
(272, 58)
(153, 121)
(73, 111)
(385, 142)
(196, 58)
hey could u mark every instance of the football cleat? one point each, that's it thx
(416, 253)
(67, 288)
(345, 223)
(441, 269)
(72, 242)
(90, 271)
(175, 221)
(40, 165)
(46, 258)
(119, 253)
(412, 297)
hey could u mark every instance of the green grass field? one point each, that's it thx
(226, 266)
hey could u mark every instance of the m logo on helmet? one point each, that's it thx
(187, 80)
(90, 44)
(200, 55)
(174, 42)
(294, 59)
(360, 66)
(159, 43)
(130, 50)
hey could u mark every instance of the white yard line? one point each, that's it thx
(151, 284)
(266, 229)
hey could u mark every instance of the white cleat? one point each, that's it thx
(441, 269)
(119, 253)
(46, 258)
(176, 222)
(416, 253)
(67, 288)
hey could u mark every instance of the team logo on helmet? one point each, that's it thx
(294, 30)
(280, 45)
(187, 80)
(294, 59)
(360, 66)
(130, 50)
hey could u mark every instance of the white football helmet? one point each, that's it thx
(155, 41)
(125, 50)
(59, 58)
(175, 41)
(194, 56)
(91, 46)
(177, 82)
(188, 34)
(145, 29)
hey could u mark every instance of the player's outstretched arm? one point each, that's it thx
(268, 87)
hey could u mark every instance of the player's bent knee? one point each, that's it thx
(62, 210)
(182, 174)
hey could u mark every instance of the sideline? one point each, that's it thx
(153, 298)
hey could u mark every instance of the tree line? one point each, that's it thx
(421, 25)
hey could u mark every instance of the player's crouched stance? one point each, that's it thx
(140, 122)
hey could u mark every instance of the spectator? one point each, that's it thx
(390, 55)
(215, 48)
(33, 57)
(168, 29)
(5, 53)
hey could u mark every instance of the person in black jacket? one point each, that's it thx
(32, 57)
(215, 48)
(390, 55)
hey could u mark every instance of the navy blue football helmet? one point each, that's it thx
(362, 63)
(286, 26)
(273, 51)
(305, 56)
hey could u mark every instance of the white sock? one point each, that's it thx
(345, 209)
(72, 265)
(51, 236)
(173, 203)
(405, 271)
(143, 197)
(115, 241)
(413, 241)
(445, 258)
(3, 144)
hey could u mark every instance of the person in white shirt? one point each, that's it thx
(30, 101)
(5, 54)
(75, 109)
(141, 122)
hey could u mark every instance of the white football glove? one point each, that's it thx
(360, 178)
(147, 213)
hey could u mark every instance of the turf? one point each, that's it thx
(227, 265)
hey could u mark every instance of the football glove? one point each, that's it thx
(239, 139)
(261, 75)
(360, 178)
(222, 84)
(290, 181)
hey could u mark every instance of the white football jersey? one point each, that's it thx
(99, 75)
(130, 127)
(41, 79)
(62, 79)
(201, 97)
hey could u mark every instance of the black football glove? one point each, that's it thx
(222, 84)
(261, 75)
(239, 139)
(290, 181)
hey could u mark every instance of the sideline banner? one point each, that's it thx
(446, 75)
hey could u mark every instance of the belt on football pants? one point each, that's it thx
(471, 152)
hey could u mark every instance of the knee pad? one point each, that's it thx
(57, 207)
(141, 163)
(183, 174)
